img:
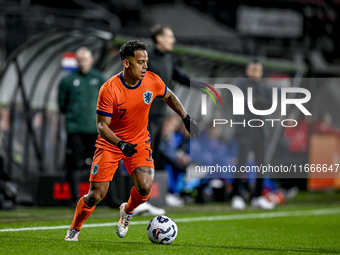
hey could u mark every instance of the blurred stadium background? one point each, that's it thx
(293, 39)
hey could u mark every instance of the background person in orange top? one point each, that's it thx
(122, 117)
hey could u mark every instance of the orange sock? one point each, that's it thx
(81, 214)
(135, 200)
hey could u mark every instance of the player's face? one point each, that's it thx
(138, 65)
(166, 40)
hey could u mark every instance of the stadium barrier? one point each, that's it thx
(54, 191)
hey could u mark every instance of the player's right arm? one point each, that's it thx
(106, 101)
(104, 131)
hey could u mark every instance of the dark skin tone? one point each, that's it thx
(134, 71)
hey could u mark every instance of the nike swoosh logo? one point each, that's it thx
(148, 159)
(121, 104)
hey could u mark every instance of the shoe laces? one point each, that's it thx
(126, 219)
(72, 233)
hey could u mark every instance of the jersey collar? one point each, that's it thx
(127, 86)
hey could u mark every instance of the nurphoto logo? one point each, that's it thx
(239, 99)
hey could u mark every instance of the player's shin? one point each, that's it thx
(81, 214)
(135, 200)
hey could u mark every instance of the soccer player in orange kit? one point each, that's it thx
(122, 118)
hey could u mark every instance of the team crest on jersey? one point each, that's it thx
(148, 95)
(95, 169)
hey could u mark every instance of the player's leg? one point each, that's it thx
(143, 179)
(85, 207)
(87, 203)
(141, 168)
(103, 168)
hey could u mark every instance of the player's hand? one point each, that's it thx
(191, 126)
(127, 148)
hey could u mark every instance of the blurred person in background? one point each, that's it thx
(163, 64)
(77, 99)
(251, 138)
(209, 149)
(174, 154)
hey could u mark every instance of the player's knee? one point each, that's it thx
(89, 201)
(143, 179)
(144, 189)
(93, 198)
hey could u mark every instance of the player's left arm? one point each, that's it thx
(173, 102)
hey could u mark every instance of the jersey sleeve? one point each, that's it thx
(161, 87)
(105, 102)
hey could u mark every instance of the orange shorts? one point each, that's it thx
(105, 162)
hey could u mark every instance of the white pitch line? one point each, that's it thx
(195, 219)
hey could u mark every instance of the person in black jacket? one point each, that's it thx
(251, 138)
(163, 64)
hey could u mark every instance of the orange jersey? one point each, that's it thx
(128, 107)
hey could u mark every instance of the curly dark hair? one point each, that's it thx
(129, 48)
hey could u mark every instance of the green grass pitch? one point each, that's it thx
(309, 224)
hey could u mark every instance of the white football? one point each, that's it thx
(162, 230)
